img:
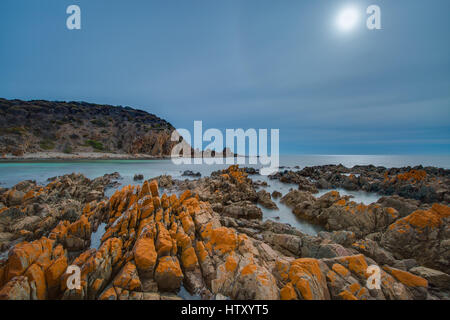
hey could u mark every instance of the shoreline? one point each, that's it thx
(80, 156)
(57, 156)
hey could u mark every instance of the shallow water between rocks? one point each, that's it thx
(96, 237)
(13, 172)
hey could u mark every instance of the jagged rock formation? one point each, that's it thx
(155, 243)
(29, 211)
(69, 127)
(428, 185)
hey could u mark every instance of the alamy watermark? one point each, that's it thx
(74, 280)
(373, 22)
(220, 151)
(374, 280)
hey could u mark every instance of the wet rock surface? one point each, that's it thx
(209, 238)
(189, 173)
(426, 184)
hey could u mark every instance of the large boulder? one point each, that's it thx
(168, 274)
(422, 235)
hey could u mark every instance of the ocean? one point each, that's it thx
(13, 172)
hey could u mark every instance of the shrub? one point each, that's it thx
(15, 130)
(67, 148)
(95, 144)
(99, 123)
(47, 144)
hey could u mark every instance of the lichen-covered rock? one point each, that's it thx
(422, 235)
(435, 278)
(128, 278)
(145, 255)
(155, 243)
(338, 213)
(168, 274)
(305, 277)
(17, 288)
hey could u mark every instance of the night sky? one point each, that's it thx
(245, 64)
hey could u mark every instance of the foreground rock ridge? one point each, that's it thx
(71, 127)
(209, 238)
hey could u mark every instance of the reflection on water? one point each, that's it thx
(4, 255)
(358, 196)
(184, 294)
(284, 214)
(96, 237)
(14, 172)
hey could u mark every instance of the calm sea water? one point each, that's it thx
(14, 172)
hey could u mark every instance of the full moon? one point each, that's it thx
(347, 19)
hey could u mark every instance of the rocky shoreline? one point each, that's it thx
(208, 235)
(54, 156)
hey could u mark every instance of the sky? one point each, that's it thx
(245, 64)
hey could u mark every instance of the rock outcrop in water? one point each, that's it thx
(29, 211)
(426, 184)
(210, 240)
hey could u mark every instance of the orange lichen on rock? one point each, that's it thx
(145, 254)
(421, 219)
(168, 274)
(331, 277)
(53, 275)
(340, 269)
(341, 202)
(308, 265)
(164, 241)
(305, 289)
(145, 190)
(288, 292)
(24, 254)
(189, 259)
(35, 273)
(304, 274)
(128, 278)
(29, 195)
(201, 251)
(282, 268)
(154, 188)
(235, 173)
(408, 279)
(346, 295)
(392, 212)
(223, 240)
(356, 264)
(354, 288)
(109, 294)
(249, 269)
(186, 194)
(335, 194)
(187, 223)
(81, 227)
(417, 175)
(231, 264)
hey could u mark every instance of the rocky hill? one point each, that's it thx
(70, 127)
